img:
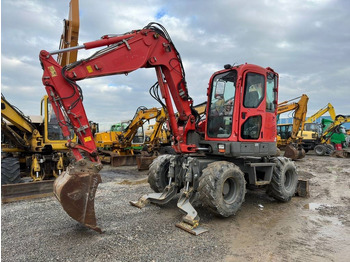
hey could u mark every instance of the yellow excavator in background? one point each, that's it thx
(287, 134)
(324, 147)
(116, 146)
(313, 131)
(70, 35)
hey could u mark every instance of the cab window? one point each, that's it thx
(221, 105)
(254, 90)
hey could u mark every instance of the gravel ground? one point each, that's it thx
(311, 229)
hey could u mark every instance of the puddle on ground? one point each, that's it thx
(314, 206)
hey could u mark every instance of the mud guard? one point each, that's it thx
(76, 193)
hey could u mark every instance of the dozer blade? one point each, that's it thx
(293, 152)
(76, 193)
(123, 160)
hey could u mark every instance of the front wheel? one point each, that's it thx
(320, 150)
(222, 188)
(284, 180)
(158, 173)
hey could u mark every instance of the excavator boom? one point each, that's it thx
(145, 48)
(70, 35)
(293, 148)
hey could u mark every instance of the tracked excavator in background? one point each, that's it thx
(288, 138)
(212, 165)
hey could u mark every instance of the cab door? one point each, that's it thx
(258, 108)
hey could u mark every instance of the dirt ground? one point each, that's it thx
(305, 229)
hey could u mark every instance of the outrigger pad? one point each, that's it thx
(191, 229)
(76, 193)
(302, 189)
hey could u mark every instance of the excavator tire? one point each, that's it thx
(320, 150)
(284, 180)
(158, 173)
(222, 188)
(10, 171)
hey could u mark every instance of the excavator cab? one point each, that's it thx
(241, 118)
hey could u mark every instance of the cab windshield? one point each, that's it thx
(221, 105)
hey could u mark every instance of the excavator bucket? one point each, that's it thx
(143, 162)
(76, 193)
(294, 153)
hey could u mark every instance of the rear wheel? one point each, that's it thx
(284, 180)
(158, 173)
(222, 188)
(10, 171)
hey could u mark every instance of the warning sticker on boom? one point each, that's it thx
(52, 71)
(87, 139)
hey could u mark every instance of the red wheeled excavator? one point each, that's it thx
(216, 157)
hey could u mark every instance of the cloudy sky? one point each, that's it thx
(306, 41)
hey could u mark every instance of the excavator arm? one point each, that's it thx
(329, 108)
(293, 148)
(149, 47)
(145, 48)
(70, 35)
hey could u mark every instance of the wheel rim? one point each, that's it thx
(318, 150)
(288, 179)
(229, 191)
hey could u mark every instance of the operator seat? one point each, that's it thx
(252, 99)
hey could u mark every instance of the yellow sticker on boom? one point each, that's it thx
(52, 71)
(89, 69)
(87, 139)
